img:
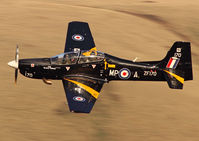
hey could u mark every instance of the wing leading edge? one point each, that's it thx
(81, 93)
(79, 36)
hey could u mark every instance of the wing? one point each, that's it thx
(81, 93)
(79, 36)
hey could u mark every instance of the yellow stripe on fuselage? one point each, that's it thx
(181, 79)
(111, 66)
(108, 65)
(93, 92)
(105, 64)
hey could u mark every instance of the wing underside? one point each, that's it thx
(81, 93)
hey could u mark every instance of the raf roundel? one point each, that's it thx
(124, 73)
(79, 99)
(77, 37)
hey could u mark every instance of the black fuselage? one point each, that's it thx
(110, 68)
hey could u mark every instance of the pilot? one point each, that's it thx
(59, 60)
(64, 59)
(72, 58)
(84, 59)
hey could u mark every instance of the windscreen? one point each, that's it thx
(65, 58)
(70, 58)
(90, 56)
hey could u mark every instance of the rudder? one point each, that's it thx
(177, 65)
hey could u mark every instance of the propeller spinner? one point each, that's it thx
(15, 63)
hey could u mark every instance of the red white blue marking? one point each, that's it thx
(173, 62)
(32, 65)
(124, 73)
(79, 99)
(77, 37)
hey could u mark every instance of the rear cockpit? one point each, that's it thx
(77, 57)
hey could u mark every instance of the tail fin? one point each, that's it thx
(177, 65)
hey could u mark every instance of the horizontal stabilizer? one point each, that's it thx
(174, 78)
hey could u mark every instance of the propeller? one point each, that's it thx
(15, 63)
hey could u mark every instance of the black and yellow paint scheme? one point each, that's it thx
(83, 70)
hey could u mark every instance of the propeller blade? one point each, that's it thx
(17, 54)
(16, 74)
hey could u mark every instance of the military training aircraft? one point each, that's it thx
(83, 70)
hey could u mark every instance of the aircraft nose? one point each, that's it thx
(13, 64)
(34, 61)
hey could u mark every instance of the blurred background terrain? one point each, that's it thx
(138, 111)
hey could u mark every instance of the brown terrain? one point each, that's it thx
(128, 111)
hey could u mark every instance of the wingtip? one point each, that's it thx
(77, 22)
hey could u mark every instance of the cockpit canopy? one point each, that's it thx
(79, 57)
